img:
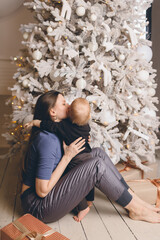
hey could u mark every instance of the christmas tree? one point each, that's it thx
(96, 50)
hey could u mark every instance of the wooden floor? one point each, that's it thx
(105, 220)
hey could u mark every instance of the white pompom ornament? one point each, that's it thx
(81, 83)
(49, 29)
(28, 119)
(107, 116)
(143, 75)
(37, 55)
(26, 83)
(145, 52)
(93, 17)
(93, 46)
(121, 57)
(80, 11)
(25, 35)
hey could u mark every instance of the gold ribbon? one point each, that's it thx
(32, 235)
(156, 182)
(129, 165)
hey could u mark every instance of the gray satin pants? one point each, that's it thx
(96, 170)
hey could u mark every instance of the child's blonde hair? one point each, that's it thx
(79, 111)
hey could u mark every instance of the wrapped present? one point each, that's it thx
(28, 227)
(147, 189)
(130, 171)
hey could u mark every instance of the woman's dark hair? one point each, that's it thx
(43, 105)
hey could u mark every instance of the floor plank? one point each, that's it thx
(142, 230)
(71, 228)
(94, 227)
(8, 192)
(112, 219)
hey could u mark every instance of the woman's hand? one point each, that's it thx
(74, 148)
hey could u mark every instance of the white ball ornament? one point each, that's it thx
(28, 119)
(121, 57)
(25, 35)
(107, 116)
(80, 11)
(143, 75)
(81, 83)
(49, 29)
(26, 83)
(151, 92)
(139, 91)
(37, 55)
(93, 17)
(148, 112)
(93, 46)
(145, 52)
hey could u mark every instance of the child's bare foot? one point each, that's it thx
(145, 204)
(90, 204)
(81, 214)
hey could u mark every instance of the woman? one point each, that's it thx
(48, 193)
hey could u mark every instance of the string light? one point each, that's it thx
(14, 121)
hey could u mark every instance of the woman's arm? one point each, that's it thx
(43, 187)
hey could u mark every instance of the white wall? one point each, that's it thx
(10, 43)
(156, 43)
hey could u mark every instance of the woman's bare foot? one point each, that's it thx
(90, 204)
(139, 212)
(145, 204)
(146, 215)
(81, 214)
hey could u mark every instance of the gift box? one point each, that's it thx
(131, 172)
(147, 189)
(28, 227)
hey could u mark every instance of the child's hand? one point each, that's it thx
(89, 139)
(29, 125)
(34, 122)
